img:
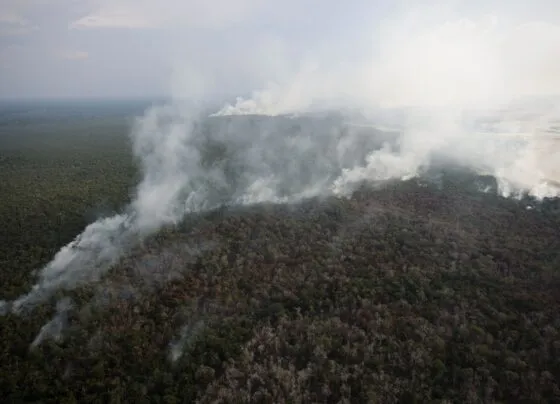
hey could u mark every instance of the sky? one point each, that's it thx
(146, 48)
(137, 47)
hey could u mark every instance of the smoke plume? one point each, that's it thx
(481, 91)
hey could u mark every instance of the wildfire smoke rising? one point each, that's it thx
(479, 91)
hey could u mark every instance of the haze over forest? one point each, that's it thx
(250, 201)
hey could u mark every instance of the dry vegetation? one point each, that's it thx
(406, 293)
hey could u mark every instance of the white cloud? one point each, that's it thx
(149, 14)
(13, 23)
(74, 55)
(12, 18)
(114, 18)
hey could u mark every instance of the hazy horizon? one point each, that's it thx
(63, 49)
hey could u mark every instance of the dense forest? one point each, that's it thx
(416, 291)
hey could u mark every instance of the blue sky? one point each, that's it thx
(128, 48)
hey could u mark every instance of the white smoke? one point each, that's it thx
(473, 89)
(82, 261)
(192, 163)
(309, 89)
(54, 328)
(187, 337)
(483, 90)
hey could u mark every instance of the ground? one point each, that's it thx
(410, 292)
